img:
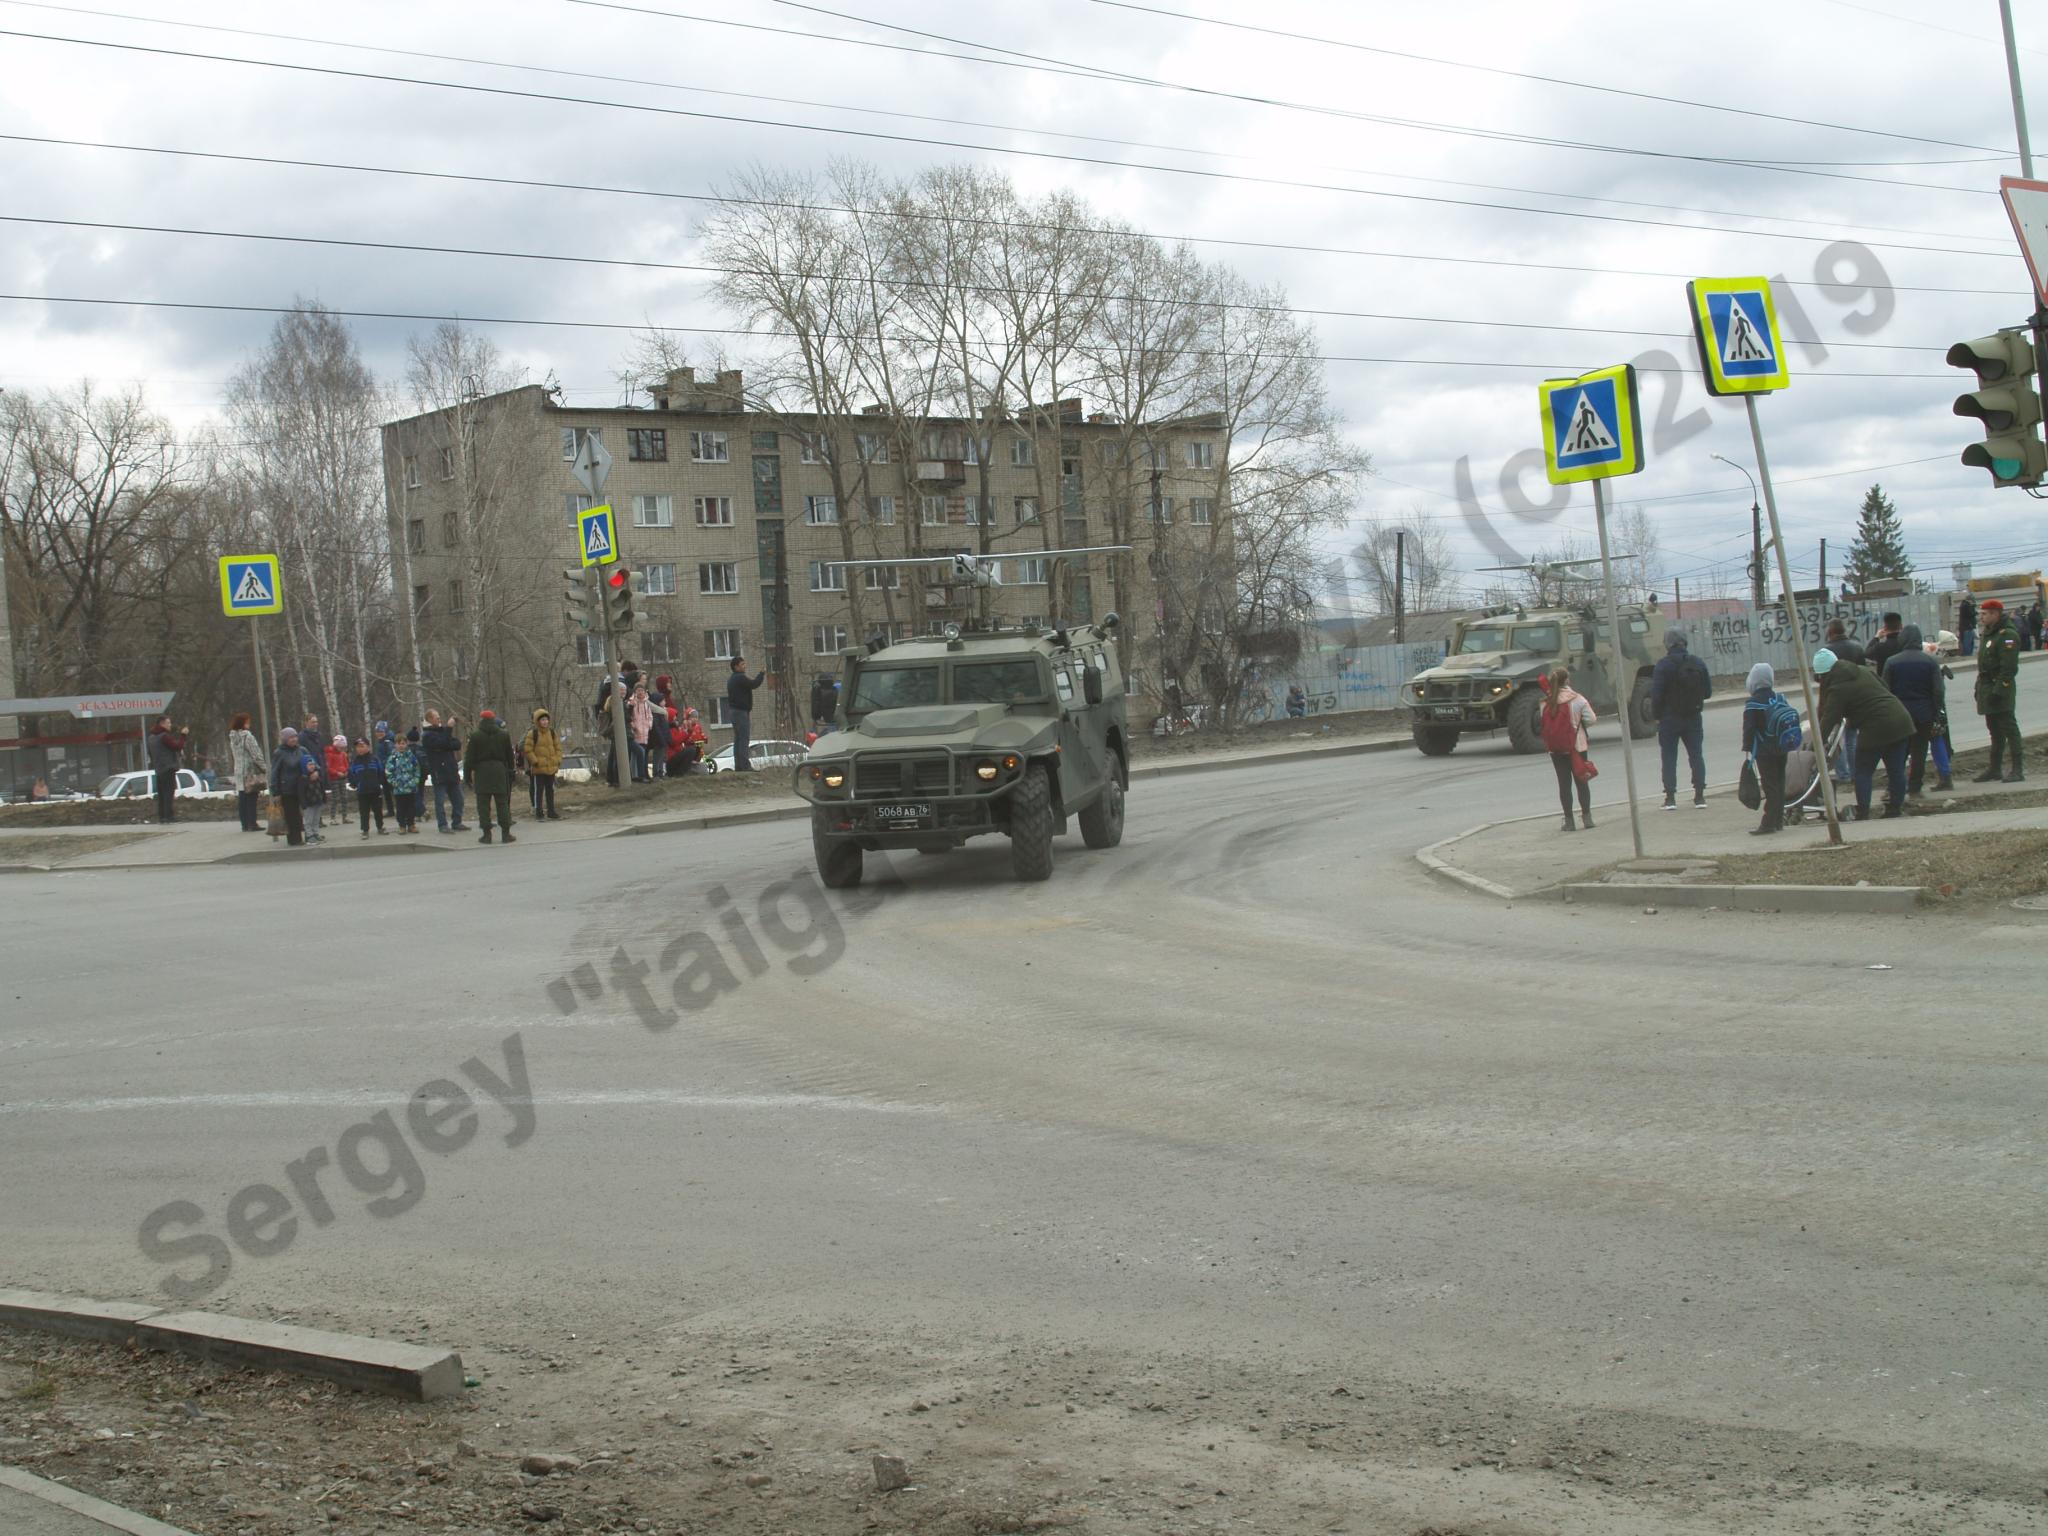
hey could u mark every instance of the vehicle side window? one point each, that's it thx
(1063, 680)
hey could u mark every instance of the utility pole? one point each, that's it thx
(2019, 100)
(1756, 534)
(1677, 598)
(1400, 574)
(1625, 700)
(1823, 570)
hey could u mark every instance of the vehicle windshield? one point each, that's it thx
(1538, 637)
(107, 785)
(896, 687)
(1477, 640)
(997, 682)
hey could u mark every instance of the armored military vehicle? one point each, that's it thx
(1487, 682)
(942, 739)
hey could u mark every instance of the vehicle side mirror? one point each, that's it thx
(1091, 685)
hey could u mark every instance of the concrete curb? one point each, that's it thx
(84, 1506)
(1443, 869)
(1860, 900)
(414, 1372)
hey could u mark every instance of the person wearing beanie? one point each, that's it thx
(1915, 680)
(1771, 729)
(1998, 674)
(487, 766)
(1679, 688)
(403, 768)
(542, 749)
(1852, 695)
(287, 781)
(335, 761)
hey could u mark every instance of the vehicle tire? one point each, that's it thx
(1436, 740)
(1102, 824)
(1031, 821)
(1641, 722)
(1525, 721)
(838, 863)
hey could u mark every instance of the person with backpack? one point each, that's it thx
(543, 751)
(366, 778)
(1562, 724)
(1771, 732)
(1915, 680)
(1852, 694)
(403, 768)
(1679, 687)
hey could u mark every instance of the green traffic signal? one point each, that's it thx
(2008, 402)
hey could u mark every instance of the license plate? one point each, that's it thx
(904, 810)
(1445, 713)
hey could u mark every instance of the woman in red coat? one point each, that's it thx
(1566, 714)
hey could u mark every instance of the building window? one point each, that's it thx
(934, 443)
(647, 445)
(717, 711)
(1155, 455)
(1201, 455)
(721, 644)
(447, 463)
(828, 639)
(713, 511)
(451, 531)
(900, 630)
(881, 578)
(1202, 510)
(572, 439)
(460, 661)
(873, 449)
(764, 442)
(827, 577)
(421, 596)
(1111, 454)
(455, 600)
(416, 536)
(975, 449)
(657, 580)
(814, 448)
(708, 447)
(882, 509)
(1032, 569)
(574, 503)
(659, 648)
(931, 511)
(1159, 509)
(717, 578)
(653, 512)
(1027, 509)
(971, 506)
(1022, 453)
(590, 650)
(412, 473)
(821, 510)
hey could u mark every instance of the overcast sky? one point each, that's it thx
(1908, 127)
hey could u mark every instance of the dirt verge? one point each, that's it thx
(1961, 868)
(56, 850)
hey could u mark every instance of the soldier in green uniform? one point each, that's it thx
(487, 766)
(1998, 665)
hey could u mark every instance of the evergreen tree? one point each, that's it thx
(1879, 551)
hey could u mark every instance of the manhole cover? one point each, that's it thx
(2031, 903)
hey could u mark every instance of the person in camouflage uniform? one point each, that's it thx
(1998, 666)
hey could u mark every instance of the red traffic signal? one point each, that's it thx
(617, 578)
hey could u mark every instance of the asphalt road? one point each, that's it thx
(1248, 1101)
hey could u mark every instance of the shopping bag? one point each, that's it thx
(1750, 792)
(276, 817)
(1583, 768)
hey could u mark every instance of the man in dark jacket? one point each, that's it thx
(739, 702)
(487, 764)
(1851, 692)
(442, 749)
(166, 747)
(1679, 686)
(1998, 674)
(1966, 625)
(1915, 680)
(1889, 642)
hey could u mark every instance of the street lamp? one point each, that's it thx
(1756, 534)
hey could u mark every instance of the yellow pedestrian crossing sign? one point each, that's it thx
(249, 586)
(596, 536)
(1735, 323)
(1591, 426)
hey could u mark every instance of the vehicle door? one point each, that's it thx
(1079, 756)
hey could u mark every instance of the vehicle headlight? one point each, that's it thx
(1010, 762)
(986, 772)
(831, 777)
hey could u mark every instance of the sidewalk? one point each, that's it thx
(1513, 860)
(34, 1506)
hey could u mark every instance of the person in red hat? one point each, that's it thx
(487, 769)
(1998, 676)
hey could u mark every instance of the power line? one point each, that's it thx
(1069, 66)
(1580, 85)
(601, 189)
(993, 149)
(701, 330)
(958, 122)
(678, 266)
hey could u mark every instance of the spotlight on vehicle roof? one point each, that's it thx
(952, 631)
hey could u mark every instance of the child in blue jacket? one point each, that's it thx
(366, 778)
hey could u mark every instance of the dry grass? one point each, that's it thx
(1965, 867)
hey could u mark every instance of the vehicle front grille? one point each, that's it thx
(927, 773)
(1460, 691)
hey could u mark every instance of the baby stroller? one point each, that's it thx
(1803, 771)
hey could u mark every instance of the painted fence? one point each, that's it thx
(1370, 677)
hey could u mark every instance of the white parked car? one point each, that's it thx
(578, 768)
(771, 753)
(142, 786)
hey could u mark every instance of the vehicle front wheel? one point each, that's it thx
(1102, 824)
(838, 863)
(1031, 822)
(1525, 721)
(1641, 722)
(1435, 740)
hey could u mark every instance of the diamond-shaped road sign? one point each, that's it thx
(2027, 204)
(593, 463)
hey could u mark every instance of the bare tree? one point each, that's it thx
(1430, 579)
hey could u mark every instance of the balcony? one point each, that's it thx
(941, 471)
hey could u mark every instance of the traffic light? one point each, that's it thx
(2008, 402)
(618, 598)
(576, 592)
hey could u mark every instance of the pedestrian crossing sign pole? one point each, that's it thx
(1742, 352)
(1592, 430)
(249, 588)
